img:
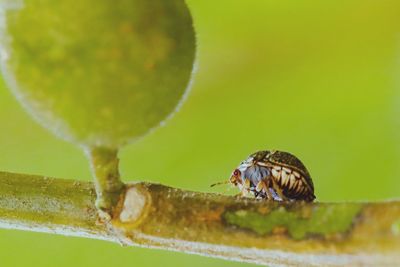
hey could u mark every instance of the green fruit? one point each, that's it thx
(98, 73)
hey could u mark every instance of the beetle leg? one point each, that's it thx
(265, 185)
(246, 184)
(278, 190)
(259, 189)
(245, 188)
(260, 186)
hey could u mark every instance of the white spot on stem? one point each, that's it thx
(133, 206)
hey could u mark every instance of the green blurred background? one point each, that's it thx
(317, 79)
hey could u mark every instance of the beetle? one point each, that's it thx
(274, 175)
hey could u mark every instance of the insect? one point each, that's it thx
(274, 175)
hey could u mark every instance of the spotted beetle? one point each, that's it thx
(274, 175)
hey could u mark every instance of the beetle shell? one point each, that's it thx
(274, 175)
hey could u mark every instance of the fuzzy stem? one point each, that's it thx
(263, 232)
(104, 164)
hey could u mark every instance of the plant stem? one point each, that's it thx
(263, 232)
(104, 164)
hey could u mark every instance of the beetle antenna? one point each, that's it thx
(220, 183)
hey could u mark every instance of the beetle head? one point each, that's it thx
(236, 177)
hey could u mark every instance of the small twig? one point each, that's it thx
(150, 215)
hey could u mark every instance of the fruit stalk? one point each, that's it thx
(157, 216)
(104, 163)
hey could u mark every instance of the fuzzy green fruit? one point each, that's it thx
(98, 73)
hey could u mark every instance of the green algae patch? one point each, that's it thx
(396, 227)
(321, 220)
